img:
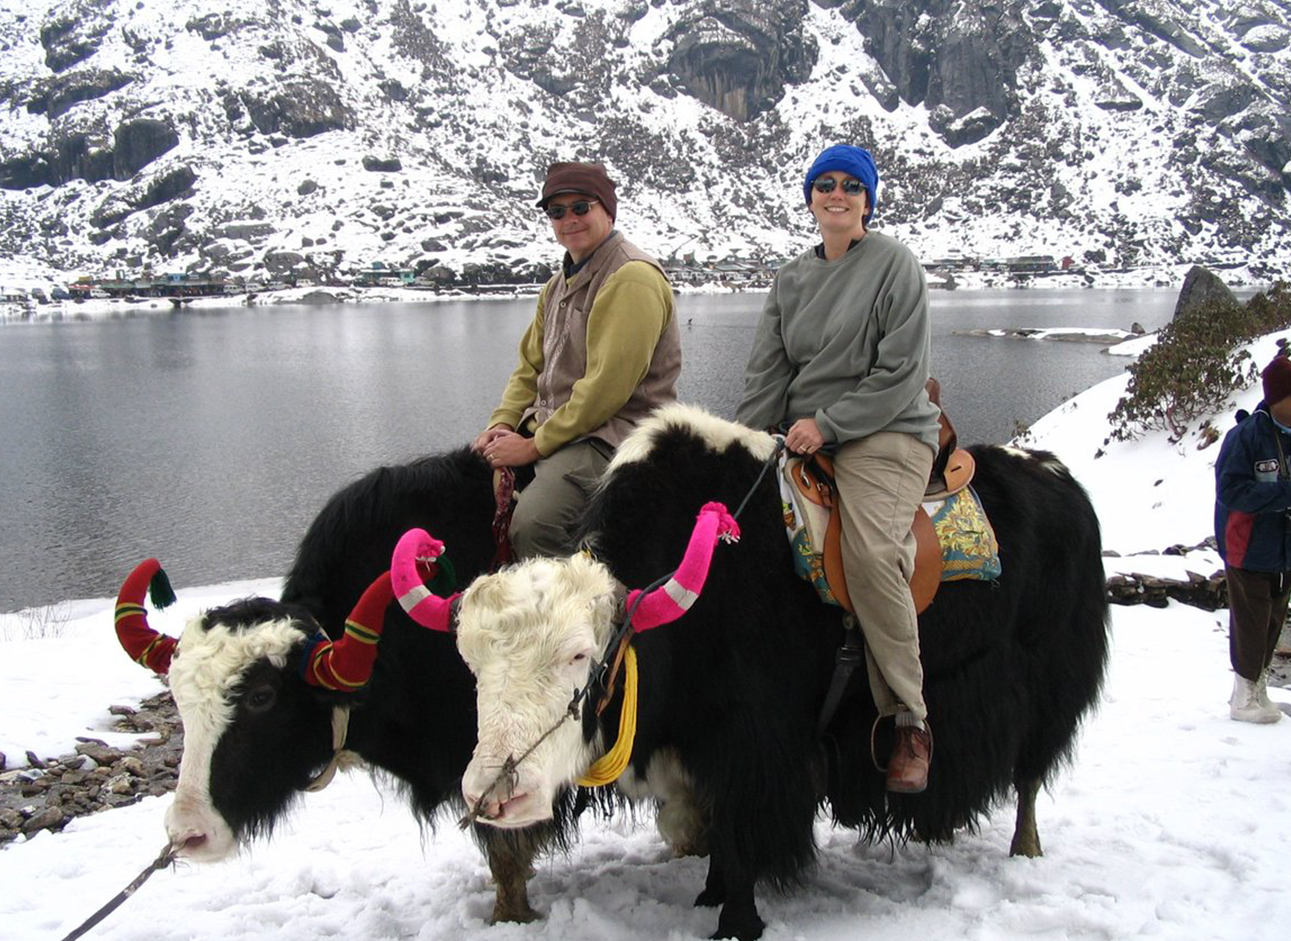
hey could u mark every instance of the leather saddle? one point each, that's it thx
(952, 470)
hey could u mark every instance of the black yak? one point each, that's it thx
(258, 726)
(729, 695)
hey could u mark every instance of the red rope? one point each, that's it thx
(505, 502)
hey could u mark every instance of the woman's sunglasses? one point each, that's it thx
(580, 208)
(826, 184)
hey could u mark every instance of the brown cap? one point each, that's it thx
(589, 179)
(1277, 380)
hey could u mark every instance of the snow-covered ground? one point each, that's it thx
(1170, 824)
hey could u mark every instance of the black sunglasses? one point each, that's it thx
(826, 184)
(580, 208)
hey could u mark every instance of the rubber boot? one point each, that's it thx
(1262, 692)
(1245, 706)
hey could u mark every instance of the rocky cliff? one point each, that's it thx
(284, 137)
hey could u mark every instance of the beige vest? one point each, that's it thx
(564, 344)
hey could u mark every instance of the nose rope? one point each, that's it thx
(600, 668)
(161, 862)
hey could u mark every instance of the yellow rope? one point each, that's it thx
(613, 763)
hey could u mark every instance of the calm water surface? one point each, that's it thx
(211, 439)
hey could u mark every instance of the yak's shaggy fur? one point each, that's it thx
(735, 686)
(262, 733)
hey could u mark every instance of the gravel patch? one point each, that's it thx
(97, 777)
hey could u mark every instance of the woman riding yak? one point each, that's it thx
(841, 359)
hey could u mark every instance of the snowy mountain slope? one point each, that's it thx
(292, 137)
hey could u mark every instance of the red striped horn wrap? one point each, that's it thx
(144, 645)
(345, 665)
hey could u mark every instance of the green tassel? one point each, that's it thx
(445, 579)
(160, 591)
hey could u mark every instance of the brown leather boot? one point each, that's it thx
(911, 754)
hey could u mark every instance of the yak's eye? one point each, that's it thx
(261, 699)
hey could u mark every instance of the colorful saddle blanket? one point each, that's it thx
(958, 526)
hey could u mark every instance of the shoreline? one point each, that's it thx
(53, 311)
(1161, 277)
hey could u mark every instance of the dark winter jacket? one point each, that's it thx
(1253, 496)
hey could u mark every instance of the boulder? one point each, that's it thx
(58, 95)
(170, 185)
(1201, 287)
(737, 56)
(963, 58)
(74, 31)
(301, 108)
(26, 172)
(382, 164)
(138, 143)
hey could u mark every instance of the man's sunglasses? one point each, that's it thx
(580, 208)
(826, 184)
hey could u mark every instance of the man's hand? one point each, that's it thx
(508, 449)
(486, 436)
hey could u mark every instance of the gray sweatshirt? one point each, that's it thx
(845, 342)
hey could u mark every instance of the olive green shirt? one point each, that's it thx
(602, 351)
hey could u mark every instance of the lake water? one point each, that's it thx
(211, 438)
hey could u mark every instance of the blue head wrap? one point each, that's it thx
(854, 161)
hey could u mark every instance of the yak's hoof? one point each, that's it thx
(749, 931)
(517, 914)
(709, 898)
(1030, 848)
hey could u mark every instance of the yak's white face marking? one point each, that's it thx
(208, 665)
(530, 634)
(719, 434)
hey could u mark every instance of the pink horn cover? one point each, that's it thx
(416, 549)
(673, 599)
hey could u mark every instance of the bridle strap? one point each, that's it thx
(341, 758)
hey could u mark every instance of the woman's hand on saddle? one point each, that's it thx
(509, 449)
(804, 437)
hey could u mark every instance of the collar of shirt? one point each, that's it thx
(820, 249)
(572, 269)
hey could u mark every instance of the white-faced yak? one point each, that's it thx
(272, 692)
(728, 695)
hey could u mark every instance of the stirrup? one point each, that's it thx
(874, 734)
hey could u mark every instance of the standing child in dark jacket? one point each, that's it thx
(1252, 502)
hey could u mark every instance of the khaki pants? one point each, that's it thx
(550, 508)
(881, 481)
(1257, 608)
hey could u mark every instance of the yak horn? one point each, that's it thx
(673, 599)
(346, 664)
(415, 551)
(144, 645)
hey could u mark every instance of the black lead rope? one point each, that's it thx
(602, 667)
(161, 862)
